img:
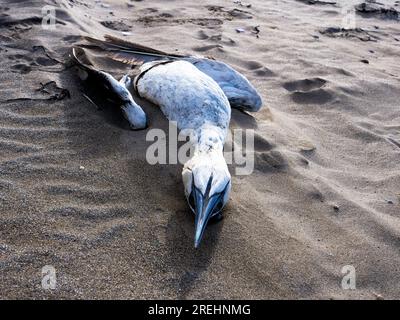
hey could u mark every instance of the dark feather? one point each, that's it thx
(81, 59)
(127, 52)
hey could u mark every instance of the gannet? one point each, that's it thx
(197, 94)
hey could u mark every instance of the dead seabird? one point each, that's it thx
(194, 93)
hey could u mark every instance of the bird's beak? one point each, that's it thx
(204, 208)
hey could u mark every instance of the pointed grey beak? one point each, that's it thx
(205, 207)
(204, 211)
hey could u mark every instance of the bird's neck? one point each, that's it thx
(210, 139)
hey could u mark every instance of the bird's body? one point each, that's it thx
(185, 95)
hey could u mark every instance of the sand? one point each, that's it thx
(77, 193)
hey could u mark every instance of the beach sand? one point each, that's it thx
(77, 193)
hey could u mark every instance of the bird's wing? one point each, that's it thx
(127, 52)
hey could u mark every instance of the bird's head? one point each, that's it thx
(135, 115)
(132, 111)
(207, 184)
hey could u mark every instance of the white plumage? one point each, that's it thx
(185, 95)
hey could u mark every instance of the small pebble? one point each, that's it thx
(364, 61)
(336, 208)
(81, 168)
(239, 30)
(389, 201)
(306, 146)
(378, 296)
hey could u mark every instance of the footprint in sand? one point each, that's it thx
(261, 144)
(314, 193)
(304, 85)
(308, 91)
(72, 39)
(21, 68)
(270, 161)
(358, 33)
(168, 19)
(39, 56)
(218, 38)
(230, 14)
(116, 25)
(23, 64)
(258, 69)
(372, 9)
(318, 2)
(19, 57)
(331, 13)
(266, 158)
(201, 35)
(264, 72)
(319, 96)
(209, 47)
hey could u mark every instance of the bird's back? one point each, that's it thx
(184, 94)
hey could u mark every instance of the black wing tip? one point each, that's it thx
(76, 56)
